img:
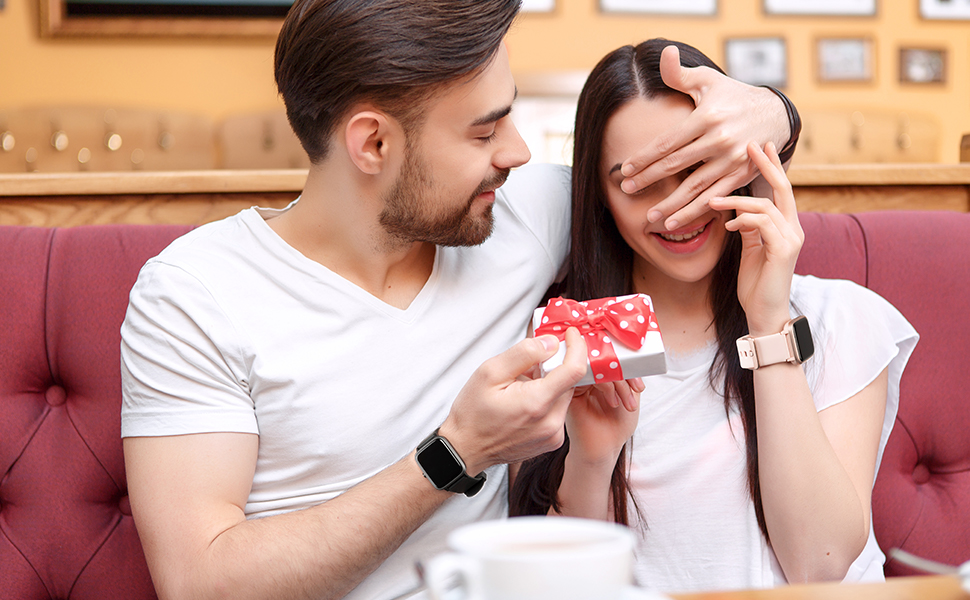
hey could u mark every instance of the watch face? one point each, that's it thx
(803, 339)
(438, 462)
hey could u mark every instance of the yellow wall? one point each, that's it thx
(219, 77)
(215, 77)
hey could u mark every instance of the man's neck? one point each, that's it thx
(335, 223)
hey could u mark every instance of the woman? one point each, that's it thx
(739, 478)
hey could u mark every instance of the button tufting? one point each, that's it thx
(124, 505)
(921, 473)
(56, 395)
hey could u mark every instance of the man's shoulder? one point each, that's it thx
(537, 192)
(212, 241)
(538, 179)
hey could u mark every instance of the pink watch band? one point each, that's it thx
(757, 352)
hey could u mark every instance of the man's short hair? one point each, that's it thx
(331, 54)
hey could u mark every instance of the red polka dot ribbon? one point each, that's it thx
(625, 318)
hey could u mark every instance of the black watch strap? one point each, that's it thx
(441, 465)
(794, 125)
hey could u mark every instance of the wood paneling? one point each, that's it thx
(68, 199)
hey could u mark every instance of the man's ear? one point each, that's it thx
(368, 135)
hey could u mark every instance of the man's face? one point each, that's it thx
(461, 153)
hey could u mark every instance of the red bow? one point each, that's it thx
(626, 318)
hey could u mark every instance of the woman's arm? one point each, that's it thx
(815, 469)
(600, 420)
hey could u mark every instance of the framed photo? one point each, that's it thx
(945, 9)
(922, 65)
(844, 59)
(758, 61)
(211, 18)
(862, 8)
(660, 7)
(538, 6)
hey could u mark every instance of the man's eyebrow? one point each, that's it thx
(496, 115)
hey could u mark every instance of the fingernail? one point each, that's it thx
(654, 215)
(628, 186)
(626, 170)
(671, 225)
(638, 384)
(549, 342)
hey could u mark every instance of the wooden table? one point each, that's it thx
(195, 197)
(931, 587)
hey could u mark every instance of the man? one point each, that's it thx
(281, 368)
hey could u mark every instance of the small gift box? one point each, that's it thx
(622, 336)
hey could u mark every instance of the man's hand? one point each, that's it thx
(728, 115)
(502, 415)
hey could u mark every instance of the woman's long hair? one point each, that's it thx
(601, 265)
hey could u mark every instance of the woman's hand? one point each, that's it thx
(728, 114)
(771, 239)
(600, 420)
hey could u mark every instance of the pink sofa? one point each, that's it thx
(65, 524)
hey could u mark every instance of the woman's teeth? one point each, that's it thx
(681, 237)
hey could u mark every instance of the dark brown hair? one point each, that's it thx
(601, 265)
(331, 54)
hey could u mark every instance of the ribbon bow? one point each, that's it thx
(625, 318)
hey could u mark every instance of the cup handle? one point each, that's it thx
(443, 570)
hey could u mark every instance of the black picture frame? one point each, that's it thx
(176, 18)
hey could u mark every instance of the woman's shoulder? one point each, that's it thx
(828, 295)
(857, 333)
(842, 307)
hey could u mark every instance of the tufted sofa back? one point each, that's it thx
(65, 524)
(920, 262)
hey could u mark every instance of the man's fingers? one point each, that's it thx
(519, 359)
(665, 155)
(678, 76)
(573, 366)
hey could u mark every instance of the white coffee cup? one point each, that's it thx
(534, 558)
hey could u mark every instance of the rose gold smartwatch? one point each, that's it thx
(793, 344)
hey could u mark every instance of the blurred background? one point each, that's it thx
(876, 81)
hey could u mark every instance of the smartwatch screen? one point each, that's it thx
(803, 339)
(439, 463)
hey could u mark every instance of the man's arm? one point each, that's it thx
(188, 492)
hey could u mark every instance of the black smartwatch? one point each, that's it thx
(444, 468)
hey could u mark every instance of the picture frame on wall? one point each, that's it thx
(538, 6)
(840, 8)
(922, 65)
(845, 59)
(757, 61)
(260, 19)
(954, 10)
(661, 7)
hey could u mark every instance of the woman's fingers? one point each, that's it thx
(690, 199)
(772, 170)
(616, 394)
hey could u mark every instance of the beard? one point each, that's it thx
(407, 218)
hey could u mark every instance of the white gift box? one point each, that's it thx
(649, 359)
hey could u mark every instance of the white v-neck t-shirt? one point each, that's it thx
(232, 330)
(688, 468)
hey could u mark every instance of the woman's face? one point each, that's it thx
(688, 253)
